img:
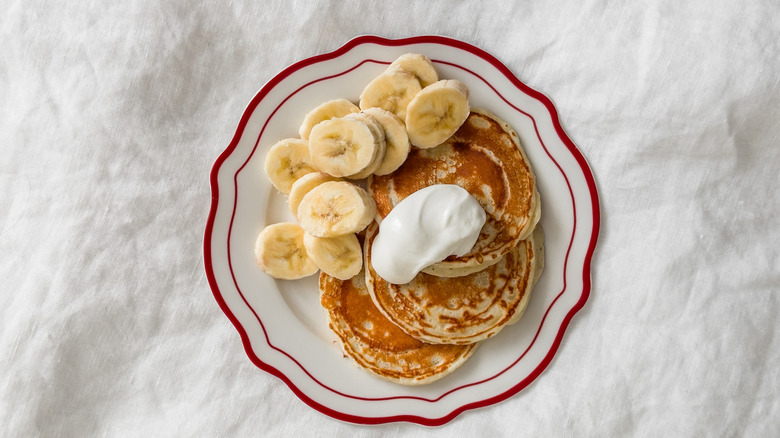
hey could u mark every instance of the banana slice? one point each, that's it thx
(303, 186)
(379, 135)
(326, 111)
(392, 90)
(437, 112)
(336, 208)
(343, 146)
(418, 65)
(287, 161)
(397, 141)
(339, 257)
(280, 252)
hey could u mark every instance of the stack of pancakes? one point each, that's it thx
(420, 331)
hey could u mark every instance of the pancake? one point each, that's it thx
(377, 345)
(484, 157)
(460, 310)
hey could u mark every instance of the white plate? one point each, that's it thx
(281, 323)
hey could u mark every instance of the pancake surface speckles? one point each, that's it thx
(464, 309)
(377, 345)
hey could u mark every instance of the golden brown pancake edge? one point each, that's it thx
(378, 346)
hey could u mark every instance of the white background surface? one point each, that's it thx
(112, 114)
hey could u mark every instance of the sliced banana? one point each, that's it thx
(418, 65)
(379, 136)
(343, 146)
(280, 252)
(340, 257)
(392, 90)
(326, 111)
(336, 208)
(437, 112)
(287, 161)
(396, 140)
(303, 186)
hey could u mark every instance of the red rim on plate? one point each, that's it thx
(586, 281)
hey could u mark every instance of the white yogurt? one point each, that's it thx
(425, 228)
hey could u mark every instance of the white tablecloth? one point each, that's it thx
(113, 113)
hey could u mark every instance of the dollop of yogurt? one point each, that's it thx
(425, 228)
